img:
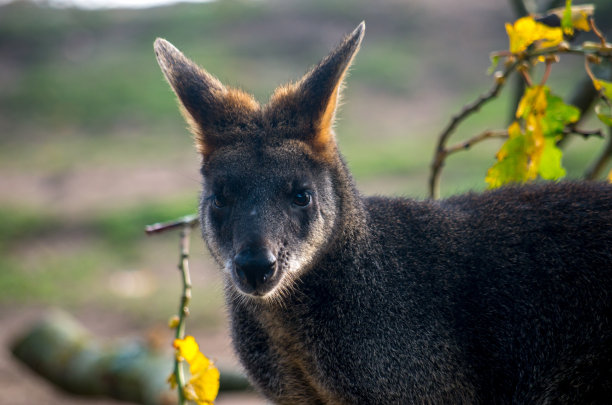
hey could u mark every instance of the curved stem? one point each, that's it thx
(440, 154)
(186, 223)
(183, 267)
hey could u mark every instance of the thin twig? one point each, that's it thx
(474, 140)
(186, 223)
(191, 220)
(526, 77)
(183, 267)
(546, 74)
(597, 32)
(585, 133)
(438, 161)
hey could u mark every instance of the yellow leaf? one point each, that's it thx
(603, 86)
(578, 16)
(610, 176)
(535, 145)
(187, 348)
(173, 322)
(525, 31)
(514, 130)
(172, 381)
(203, 386)
(533, 102)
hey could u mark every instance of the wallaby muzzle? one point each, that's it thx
(254, 270)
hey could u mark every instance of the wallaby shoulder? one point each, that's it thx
(520, 210)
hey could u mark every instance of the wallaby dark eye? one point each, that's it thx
(301, 199)
(219, 202)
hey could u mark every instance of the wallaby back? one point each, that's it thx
(496, 298)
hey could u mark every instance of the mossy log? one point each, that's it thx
(59, 349)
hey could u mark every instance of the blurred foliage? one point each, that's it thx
(81, 89)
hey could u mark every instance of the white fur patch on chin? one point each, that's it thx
(294, 265)
(229, 267)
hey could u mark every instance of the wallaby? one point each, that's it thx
(503, 297)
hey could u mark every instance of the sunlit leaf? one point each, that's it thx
(525, 31)
(604, 87)
(550, 161)
(558, 115)
(574, 17)
(534, 145)
(204, 383)
(534, 101)
(566, 20)
(204, 387)
(531, 149)
(512, 163)
(610, 176)
(494, 63)
(604, 114)
(187, 348)
(172, 381)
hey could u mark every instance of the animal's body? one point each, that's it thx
(496, 298)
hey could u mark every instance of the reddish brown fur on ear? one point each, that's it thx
(210, 108)
(312, 102)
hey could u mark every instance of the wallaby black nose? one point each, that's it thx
(254, 268)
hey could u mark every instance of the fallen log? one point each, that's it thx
(60, 349)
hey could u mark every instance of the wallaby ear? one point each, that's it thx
(209, 107)
(317, 95)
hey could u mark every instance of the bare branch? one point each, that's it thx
(440, 154)
(186, 223)
(183, 267)
(474, 140)
(190, 220)
(597, 32)
(585, 133)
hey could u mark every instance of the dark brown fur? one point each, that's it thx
(496, 298)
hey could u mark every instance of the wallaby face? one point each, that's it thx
(502, 297)
(264, 221)
(268, 204)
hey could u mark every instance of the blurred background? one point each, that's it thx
(93, 148)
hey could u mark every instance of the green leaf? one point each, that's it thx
(603, 115)
(550, 161)
(558, 115)
(566, 20)
(604, 87)
(512, 167)
(574, 17)
(494, 63)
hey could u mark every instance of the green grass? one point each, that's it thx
(50, 259)
(20, 224)
(122, 230)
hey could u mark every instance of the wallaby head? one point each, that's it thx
(271, 198)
